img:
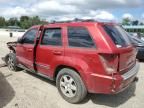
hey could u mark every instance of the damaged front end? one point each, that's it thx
(12, 48)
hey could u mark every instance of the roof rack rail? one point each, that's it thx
(84, 20)
(75, 20)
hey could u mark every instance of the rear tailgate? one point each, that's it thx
(127, 53)
(127, 59)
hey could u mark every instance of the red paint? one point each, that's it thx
(86, 61)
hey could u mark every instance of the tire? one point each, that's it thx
(12, 62)
(71, 86)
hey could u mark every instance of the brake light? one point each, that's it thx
(110, 62)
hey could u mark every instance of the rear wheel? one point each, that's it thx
(12, 62)
(71, 86)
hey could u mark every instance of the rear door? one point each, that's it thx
(81, 48)
(50, 51)
(127, 53)
(24, 50)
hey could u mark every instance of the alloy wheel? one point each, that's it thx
(68, 86)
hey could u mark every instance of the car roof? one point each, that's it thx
(74, 23)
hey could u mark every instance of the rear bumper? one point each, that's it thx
(128, 78)
(112, 85)
(131, 72)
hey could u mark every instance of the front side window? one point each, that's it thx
(52, 36)
(29, 37)
(79, 37)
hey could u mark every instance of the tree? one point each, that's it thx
(126, 21)
(136, 22)
(2, 22)
(141, 23)
(35, 20)
(27, 22)
(13, 22)
(24, 18)
(24, 22)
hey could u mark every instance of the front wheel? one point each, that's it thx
(71, 86)
(11, 62)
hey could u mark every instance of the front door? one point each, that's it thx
(24, 50)
(49, 51)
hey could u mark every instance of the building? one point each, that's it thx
(134, 29)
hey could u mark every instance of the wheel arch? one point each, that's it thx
(79, 71)
(59, 67)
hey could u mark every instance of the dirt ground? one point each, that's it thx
(26, 90)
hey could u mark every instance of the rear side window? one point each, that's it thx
(118, 35)
(79, 37)
(52, 36)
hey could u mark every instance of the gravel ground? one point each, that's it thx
(25, 90)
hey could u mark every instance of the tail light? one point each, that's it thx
(110, 62)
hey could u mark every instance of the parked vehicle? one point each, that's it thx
(82, 57)
(140, 46)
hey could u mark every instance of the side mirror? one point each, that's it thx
(20, 40)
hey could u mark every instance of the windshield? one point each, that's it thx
(118, 35)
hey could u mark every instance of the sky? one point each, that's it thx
(70, 9)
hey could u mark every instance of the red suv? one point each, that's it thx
(82, 57)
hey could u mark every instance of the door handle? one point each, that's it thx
(29, 49)
(57, 52)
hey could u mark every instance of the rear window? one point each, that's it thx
(118, 35)
(79, 37)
